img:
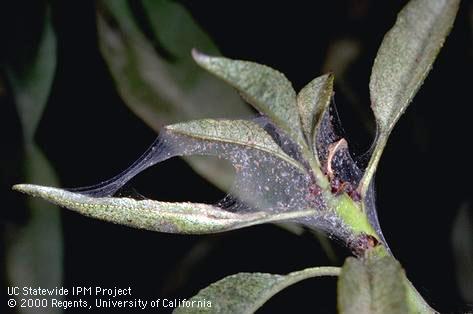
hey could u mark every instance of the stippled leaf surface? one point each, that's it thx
(186, 218)
(372, 287)
(406, 56)
(246, 292)
(157, 77)
(403, 61)
(237, 132)
(268, 90)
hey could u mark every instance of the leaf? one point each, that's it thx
(31, 80)
(372, 286)
(237, 132)
(313, 100)
(163, 89)
(402, 63)
(406, 56)
(246, 292)
(176, 30)
(35, 252)
(462, 243)
(262, 168)
(184, 218)
(268, 90)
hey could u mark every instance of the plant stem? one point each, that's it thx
(353, 216)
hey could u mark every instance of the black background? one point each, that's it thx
(88, 134)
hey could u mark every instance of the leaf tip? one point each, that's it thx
(198, 56)
(330, 76)
(21, 187)
(30, 189)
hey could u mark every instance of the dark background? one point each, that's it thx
(88, 134)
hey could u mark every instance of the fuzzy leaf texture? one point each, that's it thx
(372, 287)
(236, 132)
(185, 218)
(403, 61)
(243, 142)
(246, 292)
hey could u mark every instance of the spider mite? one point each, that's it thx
(314, 191)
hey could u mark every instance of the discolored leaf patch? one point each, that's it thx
(312, 101)
(184, 218)
(404, 59)
(372, 286)
(246, 292)
(268, 90)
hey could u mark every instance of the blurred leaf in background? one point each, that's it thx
(35, 250)
(155, 74)
(462, 244)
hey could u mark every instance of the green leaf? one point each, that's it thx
(162, 89)
(34, 252)
(176, 30)
(372, 286)
(268, 90)
(185, 218)
(237, 132)
(31, 80)
(246, 292)
(406, 56)
(312, 101)
(403, 61)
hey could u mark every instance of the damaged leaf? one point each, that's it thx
(186, 218)
(268, 90)
(403, 61)
(312, 101)
(247, 292)
(372, 286)
(237, 132)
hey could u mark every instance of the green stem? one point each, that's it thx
(417, 304)
(373, 164)
(353, 216)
